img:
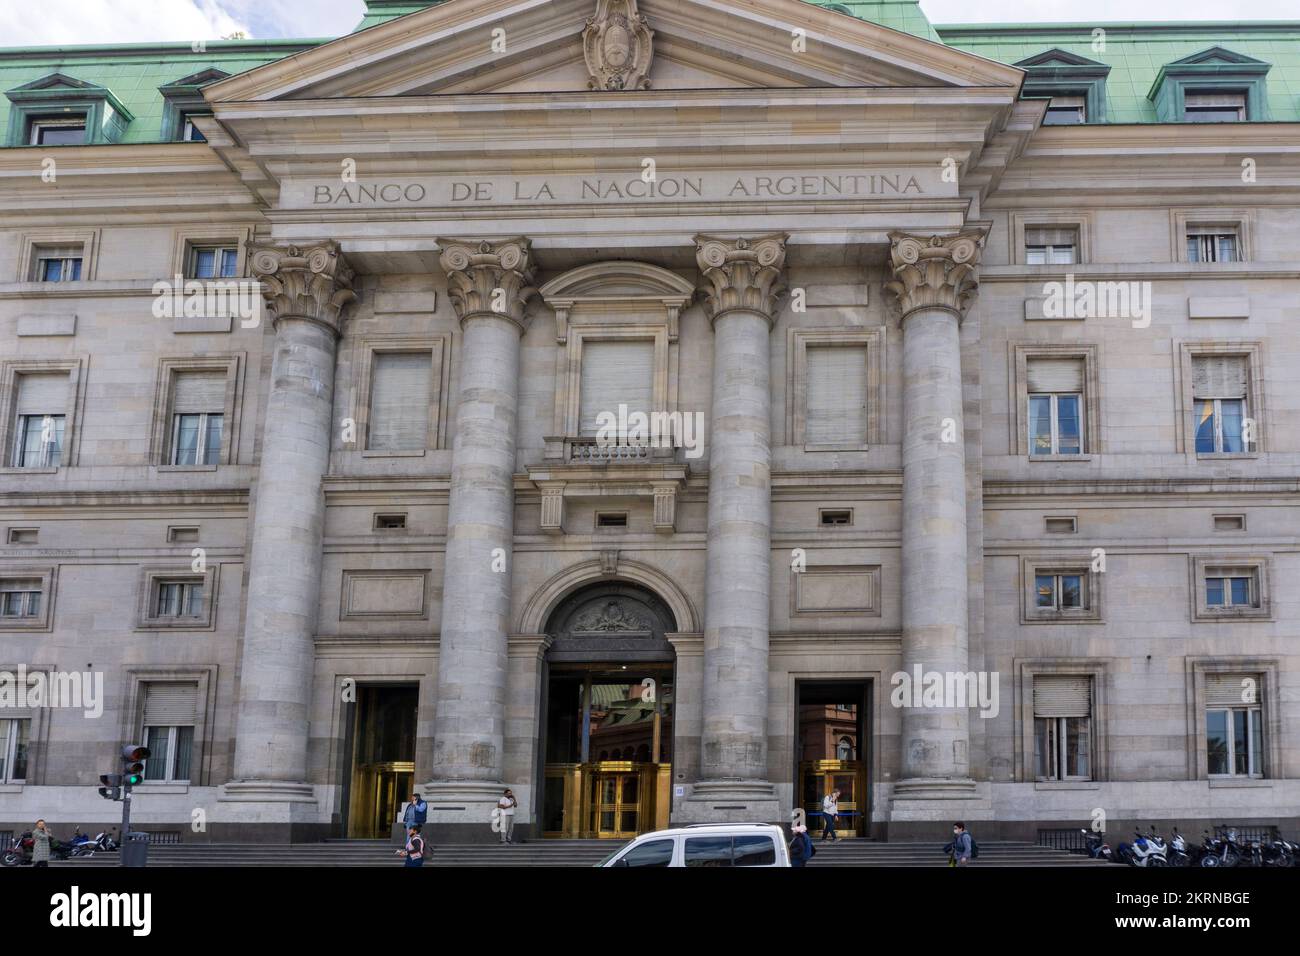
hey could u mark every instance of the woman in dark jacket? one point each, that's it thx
(800, 846)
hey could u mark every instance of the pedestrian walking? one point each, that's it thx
(830, 815)
(414, 851)
(41, 839)
(801, 847)
(961, 845)
(507, 805)
(416, 813)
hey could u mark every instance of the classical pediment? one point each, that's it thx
(517, 46)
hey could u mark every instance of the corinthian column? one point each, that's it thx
(934, 278)
(743, 279)
(306, 290)
(489, 284)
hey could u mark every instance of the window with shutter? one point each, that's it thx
(1219, 376)
(399, 401)
(836, 411)
(1055, 412)
(1234, 724)
(1051, 245)
(1219, 389)
(1233, 690)
(614, 373)
(40, 419)
(168, 703)
(198, 404)
(1062, 696)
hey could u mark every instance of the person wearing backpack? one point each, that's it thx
(963, 845)
(801, 847)
(414, 852)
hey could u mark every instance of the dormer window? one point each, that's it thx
(1210, 107)
(1075, 84)
(61, 110)
(182, 102)
(1213, 86)
(1066, 111)
(57, 131)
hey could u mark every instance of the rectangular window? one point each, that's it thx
(1061, 525)
(14, 737)
(214, 262)
(23, 535)
(69, 130)
(1063, 727)
(1234, 725)
(399, 401)
(1219, 390)
(191, 133)
(1066, 111)
(1061, 592)
(1055, 388)
(1231, 588)
(1045, 246)
(20, 599)
(390, 522)
(837, 517)
(170, 713)
(836, 410)
(614, 373)
(611, 519)
(58, 263)
(198, 400)
(179, 599)
(1229, 522)
(1217, 107)
(38, 428)
(1212, 244)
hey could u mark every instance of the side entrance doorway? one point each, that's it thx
(382, 746)
(831, 754)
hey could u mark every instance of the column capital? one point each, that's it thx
(934, 272)
(309, 281)
(493, 278)
(742, 274)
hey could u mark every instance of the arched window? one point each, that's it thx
(844, 750)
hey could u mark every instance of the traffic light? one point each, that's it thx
(112, 786)
(133, 757)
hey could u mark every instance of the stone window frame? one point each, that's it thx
(439, 348)
(132, 726)
(1098, 669)
(1080, 563)
(160, 433)
(1021, 353)
(1185, 351)
(874, 341)
(30, 244)
(38, 736)
(9, 372)
(49, 578)
(1082, 221)
(184, 241)
(151, 575)
(1260, 565)
(351, 575)
(874, 604)
(611, 300)
(1197, 668)
(1241, 220)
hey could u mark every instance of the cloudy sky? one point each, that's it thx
(25, 23)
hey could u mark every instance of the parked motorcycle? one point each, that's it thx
(1218, 852)
(1096, 847)
(1177, 854)
(1143, 851)
(80, 844)
(20, 853)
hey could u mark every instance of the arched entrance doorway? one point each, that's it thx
(608, 738)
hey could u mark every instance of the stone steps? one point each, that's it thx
(363, 853)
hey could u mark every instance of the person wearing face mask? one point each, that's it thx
(961, 845)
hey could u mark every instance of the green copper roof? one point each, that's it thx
(134, 72)
(381, 11)
(1136, 52)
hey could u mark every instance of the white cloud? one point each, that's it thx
(1104, 11)
(55, 22)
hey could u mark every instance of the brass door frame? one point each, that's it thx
(583, 806)
(367, 783)
(858, 807)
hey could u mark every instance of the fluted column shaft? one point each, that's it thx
(489, 284)
(934, 278)
(743, 279)
(306, 291)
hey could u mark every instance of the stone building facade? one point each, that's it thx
(966, 377)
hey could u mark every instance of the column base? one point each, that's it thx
(729, 801)
(927, 807)
(460, 811)
(269, 811)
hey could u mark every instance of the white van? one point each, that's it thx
(706, 844)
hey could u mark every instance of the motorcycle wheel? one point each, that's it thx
(1157, 861)
(1232, 860)
(10, 858)
(1210, 860)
